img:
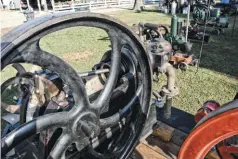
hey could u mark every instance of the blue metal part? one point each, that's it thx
(6, 130)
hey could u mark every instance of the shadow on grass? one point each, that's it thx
(220, 53)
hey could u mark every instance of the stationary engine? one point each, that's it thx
(63, 113)
(206, 13)
(60, 113)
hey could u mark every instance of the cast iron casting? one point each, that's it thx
(82, 127)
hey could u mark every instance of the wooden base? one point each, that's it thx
(165, 141)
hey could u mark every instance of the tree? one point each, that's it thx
(138, 4)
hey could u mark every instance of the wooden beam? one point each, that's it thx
(166, 142)
(167, 149)
(142, 151)
(164, 131)
(178, 137)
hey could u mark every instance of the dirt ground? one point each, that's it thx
(12, 19)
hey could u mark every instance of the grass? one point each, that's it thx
(216, 78)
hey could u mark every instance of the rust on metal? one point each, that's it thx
(179, 57)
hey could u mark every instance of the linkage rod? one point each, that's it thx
(92, 73)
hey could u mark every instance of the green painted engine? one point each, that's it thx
(176, 37)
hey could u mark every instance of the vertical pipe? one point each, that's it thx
(188, 13)
(167, 108)
(171, 76)
(174, 23)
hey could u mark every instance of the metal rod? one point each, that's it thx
(94, 72)
(156, 94)
(188, 13)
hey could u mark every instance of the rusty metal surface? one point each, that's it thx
(208, 134)
(179, 57)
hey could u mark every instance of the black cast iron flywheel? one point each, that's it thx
(82, 123)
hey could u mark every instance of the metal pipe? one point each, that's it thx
(156, 94)
(171, 76)
(94, 72)
(174, 25)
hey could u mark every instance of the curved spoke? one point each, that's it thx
(106, 93)
(61, 145)
(35, 55)
(33, 127)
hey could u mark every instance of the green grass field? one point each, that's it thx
(217, 77)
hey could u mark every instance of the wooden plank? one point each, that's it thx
(168, 141)
(213, 155)
(167, 149)
(178, 137)
(164, 131)
(144, 152)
